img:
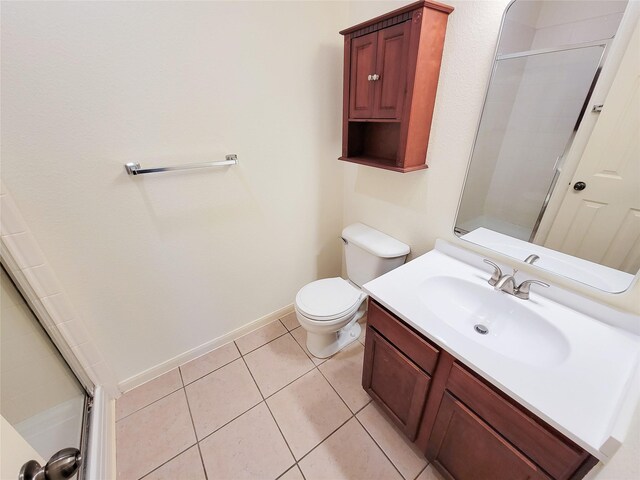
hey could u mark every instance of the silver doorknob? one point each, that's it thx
(61, 466)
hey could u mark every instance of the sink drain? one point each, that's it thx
(481, 329)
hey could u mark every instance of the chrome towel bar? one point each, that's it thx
(135, 169)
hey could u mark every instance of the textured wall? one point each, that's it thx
(159, 265)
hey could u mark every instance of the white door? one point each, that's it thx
(601, 222)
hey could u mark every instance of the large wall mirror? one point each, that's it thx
(555, 172)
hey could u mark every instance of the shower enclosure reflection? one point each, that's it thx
(520, 192)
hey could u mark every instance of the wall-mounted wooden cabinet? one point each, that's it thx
(391, 69)
(467, 428)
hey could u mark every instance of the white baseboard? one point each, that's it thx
(101, 455)
(196, 352)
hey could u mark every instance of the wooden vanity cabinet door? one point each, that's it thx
(463, 447)
(395, 382)
(363, 64)
(391, 66)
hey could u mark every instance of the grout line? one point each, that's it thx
(325, 438)
(193, 424)
(208, 373)
(284, 386)
(295, 462)
(301, 472)
(167, 461)
(227, 423)
(272, 416)
(378, 445)
(259, 346)
(149, 404)
(420, 473)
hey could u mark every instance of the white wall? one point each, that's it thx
(161, 264)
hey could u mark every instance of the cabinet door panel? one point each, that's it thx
(398, 385)
(466, 448)
(363, 58)
(391, 65)
(558, 456)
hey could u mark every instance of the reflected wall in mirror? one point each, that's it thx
(555, 168)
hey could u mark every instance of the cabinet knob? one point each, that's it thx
(369, 77)
(375, 77)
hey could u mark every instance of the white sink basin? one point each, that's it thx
(495, 320)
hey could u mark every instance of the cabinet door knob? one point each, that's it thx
(369, 77)
(375, 77)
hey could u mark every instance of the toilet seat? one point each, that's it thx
(328, 299)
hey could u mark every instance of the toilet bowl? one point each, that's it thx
(329, 309)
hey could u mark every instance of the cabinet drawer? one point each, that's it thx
(421, 352)
(557, 455)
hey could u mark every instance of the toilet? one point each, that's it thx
(329, 309)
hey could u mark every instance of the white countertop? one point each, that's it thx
(589, 395)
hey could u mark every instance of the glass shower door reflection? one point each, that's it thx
(40, 397)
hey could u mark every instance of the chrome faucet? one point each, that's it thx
(507, 282)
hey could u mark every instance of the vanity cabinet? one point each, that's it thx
(465, 426)
(391, 69)
(397, 370)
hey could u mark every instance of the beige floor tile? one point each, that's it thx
(250, 447)
(186, 466)
(300, 334)
(153, 435)
(344, 372)
(404, 455)
(307, 411)
(278, 363)
(221, 396)
(148, 393)
(261, 336)
(348, 454)
(430, 473)
(290, 321)
(209, 362)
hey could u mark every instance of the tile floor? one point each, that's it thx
(262, 408)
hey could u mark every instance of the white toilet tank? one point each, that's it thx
(370, 253)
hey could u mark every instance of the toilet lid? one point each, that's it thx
(327, 298)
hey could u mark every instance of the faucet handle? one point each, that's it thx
(522, 291)
(497, 273)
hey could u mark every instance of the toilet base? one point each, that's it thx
(323, 345)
